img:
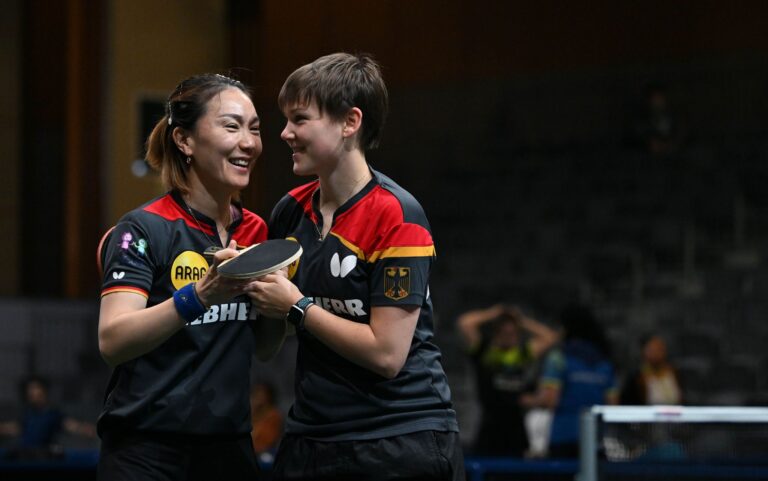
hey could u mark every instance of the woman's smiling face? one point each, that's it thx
(226, 141)
(316, 138)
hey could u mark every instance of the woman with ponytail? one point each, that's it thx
(178, 336)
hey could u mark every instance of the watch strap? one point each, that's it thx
(304, 303)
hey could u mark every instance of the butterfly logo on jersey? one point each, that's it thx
(397, 282)
(340, 268)
(118, 275)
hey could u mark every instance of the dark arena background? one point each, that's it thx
(522, 127)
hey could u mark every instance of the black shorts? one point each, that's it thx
(424, 455)
(164, 457)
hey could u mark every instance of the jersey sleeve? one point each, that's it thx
(553, 371)
(128, 259)
(401, 265)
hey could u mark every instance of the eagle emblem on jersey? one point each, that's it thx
(397, 282)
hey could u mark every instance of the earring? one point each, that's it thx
(189, 160)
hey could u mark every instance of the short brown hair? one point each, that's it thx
(186, 104)
(338, 82)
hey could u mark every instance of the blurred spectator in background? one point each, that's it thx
(656, 129)
(504, 345)
(40, 423)
(656, 381)
(266, 420)
(576, 375)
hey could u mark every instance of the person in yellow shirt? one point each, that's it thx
(504, 345)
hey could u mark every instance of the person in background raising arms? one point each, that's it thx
(504, 346)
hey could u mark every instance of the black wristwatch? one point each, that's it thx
(297, 312)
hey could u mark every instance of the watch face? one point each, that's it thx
(295, 315)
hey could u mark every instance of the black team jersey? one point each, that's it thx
(197, 381)
(379, 252)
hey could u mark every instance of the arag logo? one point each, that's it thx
(189, 266)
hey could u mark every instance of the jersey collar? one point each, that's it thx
(346, 205)
(236, 209)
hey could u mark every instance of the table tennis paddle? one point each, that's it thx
(261, 259)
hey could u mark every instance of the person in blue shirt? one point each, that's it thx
(41, 423)
(576, 375)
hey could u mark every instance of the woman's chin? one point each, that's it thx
(301, 170)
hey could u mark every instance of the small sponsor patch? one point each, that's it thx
(141, 246)
(397, 282)
(125, 240)
(189, 266)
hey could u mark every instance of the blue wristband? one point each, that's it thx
(188, 304)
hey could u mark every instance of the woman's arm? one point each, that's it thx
(469, 322)
(128, 329)
(80, 428)
(546, 396)
(381, 346)
(542, 336)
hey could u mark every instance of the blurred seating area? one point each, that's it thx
(545, 199)
(55, 339)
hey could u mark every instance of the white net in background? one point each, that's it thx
(674, 443)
